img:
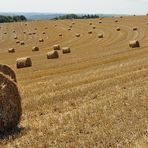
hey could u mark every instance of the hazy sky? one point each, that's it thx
(76, 6)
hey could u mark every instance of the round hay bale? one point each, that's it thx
(100, 35)
(52, 54)
(35, 28)
(34, 33)
(43, 32)
(11, 50)
(146, 23)
(17, 41)
(70, 26)
(24, 32)
(35, 48)
(69, 29)
(116, 20)
(22, 43)
(29, 33)
(90, 23)
(100, 22)
(15, 37)
(73, 23)
(46, 27)
(6, 70)
(90, 32)
(23, 62)
(5, 32)
(10, 104)
(77, 35)
(56, 47)
(94, 27)
(60, 34)
(13, 31)
(134, 44)
(66, 50)
(118, 29)
(121, 16)
(135, 28)
(26, 24)
(41, 40)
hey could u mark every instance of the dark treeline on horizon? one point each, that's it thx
(74, 16)
(16, 18)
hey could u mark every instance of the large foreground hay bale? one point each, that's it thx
(35, 48)
(23, 62)
(56, 47)
(52, 54)
(10, 104)
(134, 44)
(8, 71)
(66, 50)
(100, 35)
(11, 50)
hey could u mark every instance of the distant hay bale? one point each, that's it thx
(24, 32)
(77, 35)
(146, 23)
(35, 48)
(15, 37)
(26, 24)
(100, 35)
(70, 26)
(23, 62)
(35, 28)
(135, 28)
(90, 32)
(30, 33)
(134, 44)
(90, 23)
(43, 32)
(69, 29)
(118, 29)
(55, 25)
(121, 16)
(60, 34)
(73, 23)
(41, 40)
(94, 27)
(5, 32)
(52, 54)
(116, 20)
(13, 31)
(56, 47)
(22, 43)
(6, 70)
(46, 27)
(100, 22)
(10, 107)
(66, 50)
(11, 50)
(34, 33)
(17, 41)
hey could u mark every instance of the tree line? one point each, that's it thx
(7, 19)
(74, 16)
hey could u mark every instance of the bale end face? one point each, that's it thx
(6, 70)
(52, 55)
(66, 50)
(10, 107)
(23, 62)
(134, 44)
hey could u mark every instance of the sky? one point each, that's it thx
(76, 6)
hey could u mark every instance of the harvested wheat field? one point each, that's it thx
(95, 96)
